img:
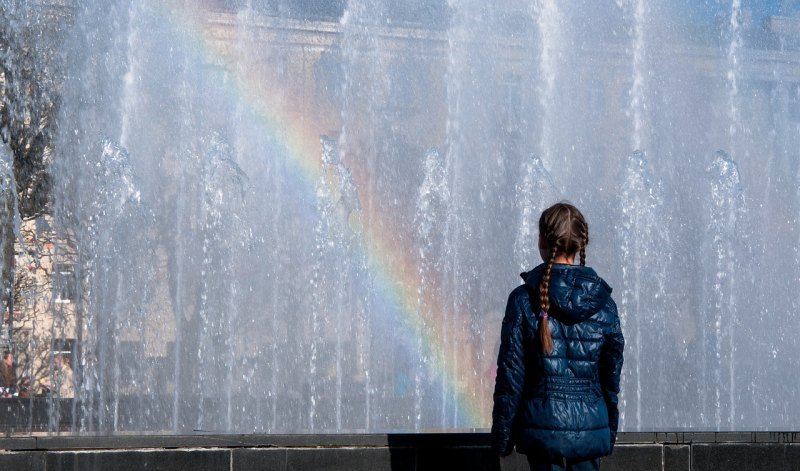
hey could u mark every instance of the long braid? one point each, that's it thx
(544, 301)
(562, 231)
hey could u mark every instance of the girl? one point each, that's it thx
(560, 356)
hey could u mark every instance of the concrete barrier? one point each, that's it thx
(674, 451)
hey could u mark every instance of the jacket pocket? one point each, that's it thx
(571, 409)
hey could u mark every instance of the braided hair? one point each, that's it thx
(564, 231)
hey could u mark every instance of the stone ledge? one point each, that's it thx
(392, 440)
(749, 456)
(66, 442)
(777, 437)
(390, 452)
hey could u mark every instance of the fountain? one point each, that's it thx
(266, 218)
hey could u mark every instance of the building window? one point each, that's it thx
(794, 104)
(65, 284)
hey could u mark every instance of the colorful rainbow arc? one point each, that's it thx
(395, 274)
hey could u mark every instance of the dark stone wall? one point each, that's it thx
(695, 451)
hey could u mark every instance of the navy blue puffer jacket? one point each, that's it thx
(563, 404)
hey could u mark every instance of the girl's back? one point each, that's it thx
(560, 356)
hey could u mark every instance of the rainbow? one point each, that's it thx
(297, 139)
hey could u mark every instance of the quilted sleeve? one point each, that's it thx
(610, 368)
(510, 377)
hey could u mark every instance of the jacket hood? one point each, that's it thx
(576, 291)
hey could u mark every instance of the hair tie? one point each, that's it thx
(544, 315)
